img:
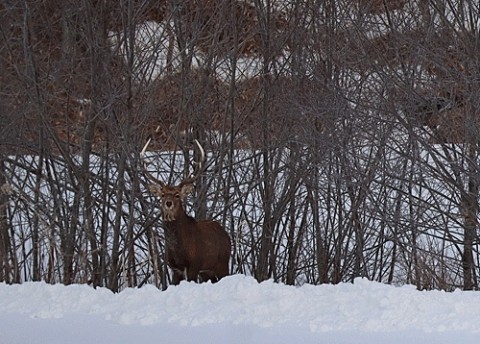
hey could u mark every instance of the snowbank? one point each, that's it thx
(237, 310)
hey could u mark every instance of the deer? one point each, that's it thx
(197, 251)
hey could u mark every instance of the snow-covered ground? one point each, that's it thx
(238, 310)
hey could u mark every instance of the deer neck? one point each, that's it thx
(181, 221)
(173, 214)
(178, 230)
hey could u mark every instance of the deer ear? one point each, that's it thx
(186, 190)
(155, 189)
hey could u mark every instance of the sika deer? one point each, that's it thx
(195, 250)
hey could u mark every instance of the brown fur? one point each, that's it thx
(195, 250)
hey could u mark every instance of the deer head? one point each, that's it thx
(173, 196)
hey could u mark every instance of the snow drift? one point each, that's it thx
(237, 310)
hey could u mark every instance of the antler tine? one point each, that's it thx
(200, 162)
(202, 155)
(144, 149)
(144, 163)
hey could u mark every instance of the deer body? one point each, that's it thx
(195, 250)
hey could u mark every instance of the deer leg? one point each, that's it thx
(220, 271)
(192, 274)
(207, 275)
(177, 277)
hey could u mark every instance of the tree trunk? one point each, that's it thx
(5, 268)
(470, 213)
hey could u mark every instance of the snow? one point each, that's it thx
(238, 309)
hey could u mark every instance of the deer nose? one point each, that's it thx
(168, 204)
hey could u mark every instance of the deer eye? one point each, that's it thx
(177, 195)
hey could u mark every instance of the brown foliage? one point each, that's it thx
(292, 105)
(182, 102)
(380, 6)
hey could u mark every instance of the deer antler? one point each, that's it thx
(200, 167)
(190, 179)
(144, 164)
